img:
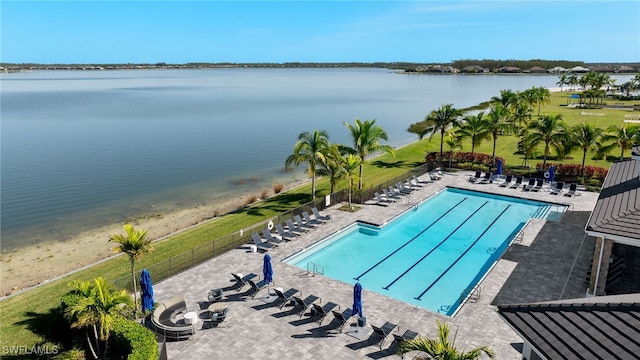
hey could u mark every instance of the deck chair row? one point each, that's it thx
(269, 240)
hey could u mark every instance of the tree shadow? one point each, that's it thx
(389, 165)
(55, 331)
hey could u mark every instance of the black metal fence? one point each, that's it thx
(195, 256)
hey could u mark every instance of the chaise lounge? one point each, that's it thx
(165, 320)
(383, 332)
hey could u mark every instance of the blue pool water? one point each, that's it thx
(432, 255)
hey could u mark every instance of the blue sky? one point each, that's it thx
(317, 31)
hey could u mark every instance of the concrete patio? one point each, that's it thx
(548, 262)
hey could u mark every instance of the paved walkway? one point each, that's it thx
(548, 262)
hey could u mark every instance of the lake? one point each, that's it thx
(82, 149)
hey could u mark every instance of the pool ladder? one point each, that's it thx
(471, 294)
(411, 202)
(313, 268)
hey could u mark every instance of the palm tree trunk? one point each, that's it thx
(135, 288)
(313, 185)
(493, 154)
(546, 151)
(350, 186)
(584, 157)
(441, 142)
(360, 180)
(91, 344)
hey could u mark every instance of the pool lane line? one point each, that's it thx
(463, 254)
(407, 243)
(432, 250)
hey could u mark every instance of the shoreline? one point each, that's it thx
(30, 266)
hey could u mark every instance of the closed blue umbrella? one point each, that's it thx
(499, 167)
(147, 291)
(552, 173)
(357, 300)
(267, 269)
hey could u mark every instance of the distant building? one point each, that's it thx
(557, 70)
(603, 69)
(579, 69)
(507, 69)
(625, 69)
(474, 69)
(536, 70)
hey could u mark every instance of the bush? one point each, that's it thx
(251, 199)
(264, 194)
(132, 341)
(463, 158)
(277, 188)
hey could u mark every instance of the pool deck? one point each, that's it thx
(548, 262)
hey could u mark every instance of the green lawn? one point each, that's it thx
(23, 318)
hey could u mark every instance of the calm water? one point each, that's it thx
(82, 149)
(429, 256)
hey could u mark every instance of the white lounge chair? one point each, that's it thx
(427, 181)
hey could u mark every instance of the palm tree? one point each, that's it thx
(506, 98)
(350, 164)
(366, 136)
(496, 123)
(309, 148)
(549, 129)
(562, 81)
(96, 306)
(585, 136)
(520, 115)
(476, 128)
(441, 348)
(331, 165)
(541, 96)
(453, 143)
(620, 136)
(444, 117)
(135, 244)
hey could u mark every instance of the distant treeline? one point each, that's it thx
(459, 64)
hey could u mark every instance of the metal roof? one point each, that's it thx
(617, 211)
(604, 327)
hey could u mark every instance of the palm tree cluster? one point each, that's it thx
(336, 160)
(95, 308)
(595, 85)
(511, 113)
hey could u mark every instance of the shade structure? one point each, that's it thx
(267, 269)
(357, 300)
(552, 173)
(147, 291)
(499, 167)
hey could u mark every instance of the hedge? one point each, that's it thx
(129, 337)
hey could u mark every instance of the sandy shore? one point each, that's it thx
(33, 265)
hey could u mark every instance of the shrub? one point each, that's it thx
(251, 199)
(264, 194)
(132, 339)
(277, 188)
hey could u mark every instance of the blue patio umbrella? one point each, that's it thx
(357, 300)
(552, 173)
(499, 167)
(267, 269)
(147, 291)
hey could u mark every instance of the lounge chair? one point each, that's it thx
(319, 216)
(384, 331)
(293, 227)
(518, 182)
(573, 190)
(507, 181)
(407, 335)
(285, 296)
(342, 317)
(428, 181)
(257, 287)
(414, 184)
(272, 239)
(261, 244)
(486, 179)
(243, 280)
(475, 177)
(302, 224)
(530, 185)
(390, 195)
(436, 175)
(558, 188)
(538, 186)
(305, 303)
(286, 235)
(380, 200)
(395, 192)
(309, 220)
(322, 311)
(404, 190)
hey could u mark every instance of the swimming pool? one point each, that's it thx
(433, 255)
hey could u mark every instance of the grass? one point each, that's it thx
(21, 316)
